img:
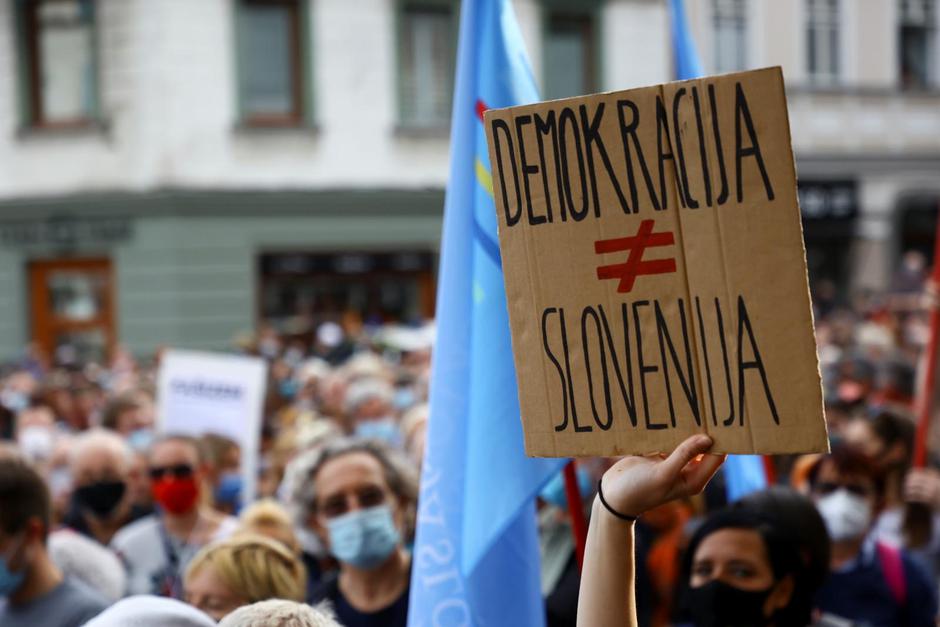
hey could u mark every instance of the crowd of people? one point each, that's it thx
(104, 520)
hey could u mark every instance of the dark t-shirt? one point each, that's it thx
(70, 604)
(394, 615)
(861, 593)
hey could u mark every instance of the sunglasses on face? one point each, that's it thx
(179, 471)
(828, 487)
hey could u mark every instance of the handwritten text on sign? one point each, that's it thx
(655, 270)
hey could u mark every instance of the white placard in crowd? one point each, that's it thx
(201, 393)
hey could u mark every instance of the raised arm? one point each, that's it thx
(632, 486)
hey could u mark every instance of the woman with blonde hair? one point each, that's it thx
(269, 518)
(242, 570)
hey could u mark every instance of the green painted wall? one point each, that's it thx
(187, 275)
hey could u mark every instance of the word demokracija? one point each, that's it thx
(571, 141)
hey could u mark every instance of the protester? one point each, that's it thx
(795, 516)
(869, 580)
(33, 591)
(360, 499)
(279, 613)
(36, 433)
(157, 549)
(887, 439)
(126, 415)
(370, 411)
(151, 611)
(242, 570)
(741, 568)
(222, 471)
(101, 464)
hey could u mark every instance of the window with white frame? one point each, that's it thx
(270, 67)
(427, 35)
(570, 47)
(822, 40)
(58, 73)
(729, 21)
(916, 41)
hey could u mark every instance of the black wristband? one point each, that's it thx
(600, 494)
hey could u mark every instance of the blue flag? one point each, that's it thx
(476, 558)
(743, 473)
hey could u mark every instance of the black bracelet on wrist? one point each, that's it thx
(610, 509)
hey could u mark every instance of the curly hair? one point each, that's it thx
(400, 475)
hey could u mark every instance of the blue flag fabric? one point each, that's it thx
(476, 558)
(743, 473)
(686, 61)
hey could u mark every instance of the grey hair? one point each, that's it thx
(400, 474)
(94, 440)
(280, 613)
(366, 389)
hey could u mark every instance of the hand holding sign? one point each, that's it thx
(655, 270)
(638, 484)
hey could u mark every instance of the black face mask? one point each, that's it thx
(716, 604)
(101, 497)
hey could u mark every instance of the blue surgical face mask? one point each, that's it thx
(229, 490)
(141, 439)
(385, 429)
(364, 538)
(554, 490)
(10, 581)
(404, 398)
(288, 388)
(13, 400)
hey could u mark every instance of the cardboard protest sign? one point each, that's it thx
(655, 270)
(199, 393)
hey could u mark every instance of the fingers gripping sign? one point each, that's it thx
(636, 484)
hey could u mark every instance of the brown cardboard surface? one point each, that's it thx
(655, 270)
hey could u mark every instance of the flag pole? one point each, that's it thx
(576, 510)
(925, 402)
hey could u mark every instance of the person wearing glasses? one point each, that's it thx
(157, 549)
(360, 500)
(869, 581)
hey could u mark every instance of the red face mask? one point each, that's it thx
(176, 495)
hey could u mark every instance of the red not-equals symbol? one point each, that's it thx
(634, 266)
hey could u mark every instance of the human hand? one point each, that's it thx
(636, 484)
(922, 485)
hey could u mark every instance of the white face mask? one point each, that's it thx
(311, 543)
(37, 443)
(847, 515)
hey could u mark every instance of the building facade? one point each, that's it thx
(178, 172)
